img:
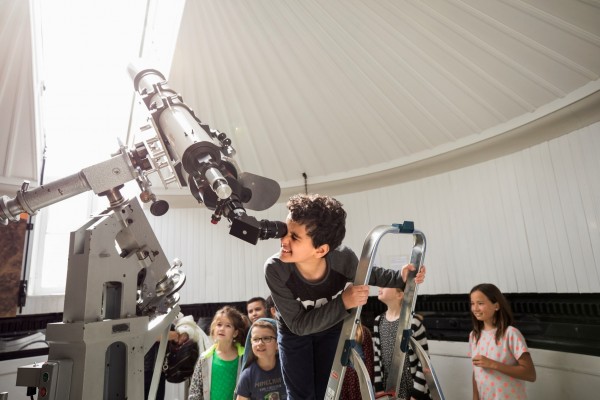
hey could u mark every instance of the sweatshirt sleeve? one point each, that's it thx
(384, 277)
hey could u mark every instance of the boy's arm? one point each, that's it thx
(384, 277)
(299, 320)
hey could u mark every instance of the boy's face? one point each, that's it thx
(256, 310)
(261, 349)
(297, 246)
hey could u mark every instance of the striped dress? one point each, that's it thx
(413, 379)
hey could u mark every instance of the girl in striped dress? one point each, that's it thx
(413, 384)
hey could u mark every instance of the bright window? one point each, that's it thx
(83, 51)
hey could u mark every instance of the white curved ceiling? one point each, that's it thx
(343, 89)
(353, 92)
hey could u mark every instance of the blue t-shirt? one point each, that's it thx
(257, 384)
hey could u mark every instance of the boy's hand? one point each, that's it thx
(420, 278)
(355, 296)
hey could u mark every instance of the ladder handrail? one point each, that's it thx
(435, 389)
(407, 308)
(366, 389)
(344, 351)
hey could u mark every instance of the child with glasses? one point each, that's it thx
(261, 377)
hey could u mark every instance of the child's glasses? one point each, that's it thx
(265, 340)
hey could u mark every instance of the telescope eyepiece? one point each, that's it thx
(272, 229)
(251, 230)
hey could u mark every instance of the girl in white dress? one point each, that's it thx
(501, 360)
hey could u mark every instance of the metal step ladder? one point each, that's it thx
(433, 383)
(346, 354)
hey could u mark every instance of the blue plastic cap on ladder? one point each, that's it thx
(405, 227)
(406, 334)
(348, 345)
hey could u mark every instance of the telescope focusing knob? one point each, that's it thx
(159, 208)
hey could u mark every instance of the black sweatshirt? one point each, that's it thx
(310, 307)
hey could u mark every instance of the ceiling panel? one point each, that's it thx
(339, 88)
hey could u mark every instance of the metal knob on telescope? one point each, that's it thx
(159, 208)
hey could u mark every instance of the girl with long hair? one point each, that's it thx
(413, 384)
(501, 360)
(218, 368)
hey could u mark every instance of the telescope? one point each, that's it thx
(121, 291)
(182, 150)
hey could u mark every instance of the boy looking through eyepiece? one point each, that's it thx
(310, 279)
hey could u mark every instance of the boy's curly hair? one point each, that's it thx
(323, 217)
